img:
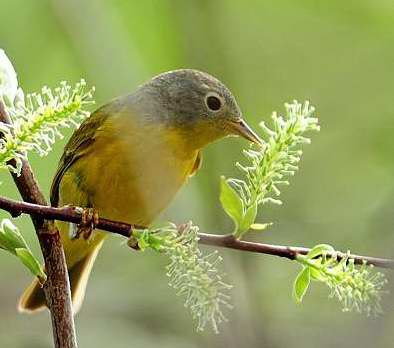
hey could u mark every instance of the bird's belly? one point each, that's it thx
(126, 186)
(136, 200)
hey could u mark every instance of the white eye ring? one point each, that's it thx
(213, 101)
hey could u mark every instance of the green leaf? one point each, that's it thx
(316, 275)
(10, 237)
(143, 241)
(260, 227)
(231, 202)
(248, 219)
(301, 284)
(5, 243)
(320, 250)
(155, 243)
(28, 259)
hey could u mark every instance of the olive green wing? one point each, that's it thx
(77, 147)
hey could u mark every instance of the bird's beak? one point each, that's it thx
(241, 128)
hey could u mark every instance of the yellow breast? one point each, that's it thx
(130, 175)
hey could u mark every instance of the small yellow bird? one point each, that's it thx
(131, 156)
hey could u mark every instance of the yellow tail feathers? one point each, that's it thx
(33, 299)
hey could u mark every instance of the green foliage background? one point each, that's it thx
(338, 54)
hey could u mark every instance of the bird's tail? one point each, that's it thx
(33, 298)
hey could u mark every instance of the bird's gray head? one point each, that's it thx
(195, 104)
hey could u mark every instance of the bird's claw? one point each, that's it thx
(89, 221)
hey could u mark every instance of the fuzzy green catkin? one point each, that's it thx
(268, 168)
(193, 275)
(37, 119)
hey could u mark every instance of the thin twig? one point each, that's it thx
(73, 214)
(57, 287)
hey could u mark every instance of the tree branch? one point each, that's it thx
(73, 214)
(57, 287)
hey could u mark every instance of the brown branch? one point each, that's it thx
(57, 287)
(73, 214)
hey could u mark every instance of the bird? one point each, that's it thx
(130, 157)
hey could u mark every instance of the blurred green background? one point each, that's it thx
(338, 54)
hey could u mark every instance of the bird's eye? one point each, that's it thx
(214, 102)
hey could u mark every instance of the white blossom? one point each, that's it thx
(8, 79)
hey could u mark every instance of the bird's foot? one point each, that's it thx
(89, 221)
